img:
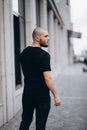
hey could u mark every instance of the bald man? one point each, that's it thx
(38, 81)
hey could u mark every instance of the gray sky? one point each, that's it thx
(79, 20)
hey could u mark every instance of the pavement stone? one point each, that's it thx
(72, 114)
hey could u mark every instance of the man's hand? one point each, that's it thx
(57, 101)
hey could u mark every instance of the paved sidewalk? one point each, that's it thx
(74, 69)
(72, 114)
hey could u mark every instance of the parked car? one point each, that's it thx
(78, 59)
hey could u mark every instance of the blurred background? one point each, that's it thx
(79, 20)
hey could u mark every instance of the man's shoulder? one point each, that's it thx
(40, 51)
(45, 53)
(24, 50)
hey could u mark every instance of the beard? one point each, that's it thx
(43, 44)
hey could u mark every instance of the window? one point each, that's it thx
(17, 50)
(38, 12)
(15, 6)
(67, 2)
(19, 39)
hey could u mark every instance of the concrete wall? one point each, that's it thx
(10, 98)
(6, 64)
(64, 10)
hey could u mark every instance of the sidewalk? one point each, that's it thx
(72, 114)
(73, 69)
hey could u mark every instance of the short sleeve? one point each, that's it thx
(45, 63)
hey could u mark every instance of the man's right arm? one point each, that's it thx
(50, 83)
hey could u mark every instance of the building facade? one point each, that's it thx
(18, 18)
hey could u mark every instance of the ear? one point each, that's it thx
(37, 38)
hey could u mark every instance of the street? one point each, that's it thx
(72, 114)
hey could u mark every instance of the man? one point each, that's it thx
(38, 81)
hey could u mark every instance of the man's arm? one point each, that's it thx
(50, 83)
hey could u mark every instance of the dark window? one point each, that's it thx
(67, 2)
(17, 50)
(19, 39)
(38, 12)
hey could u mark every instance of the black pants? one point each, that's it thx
(42, 107)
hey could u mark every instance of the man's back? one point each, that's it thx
(34, 61)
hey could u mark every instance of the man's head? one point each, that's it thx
(40, 36)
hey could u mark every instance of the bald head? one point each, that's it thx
(40, 37)
(37, 32)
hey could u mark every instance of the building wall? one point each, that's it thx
(10, 92)
(64, 10)
(7, 63)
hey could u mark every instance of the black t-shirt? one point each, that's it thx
(34, 62)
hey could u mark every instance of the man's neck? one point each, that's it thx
(35, 44)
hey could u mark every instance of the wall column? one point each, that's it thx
(56, 41)
(7, 60)
(2, 66)
(43, 16)
(43, 13)
(51, 33)
(30, 19)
